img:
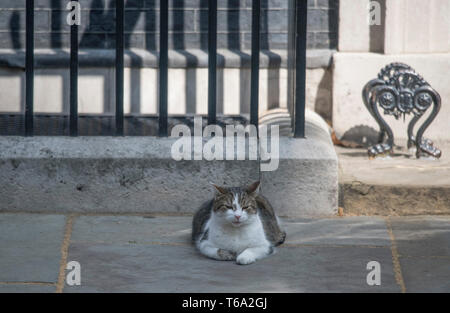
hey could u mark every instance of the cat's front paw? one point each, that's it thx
(226, 255)
(245, 258)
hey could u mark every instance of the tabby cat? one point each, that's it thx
(238, 224)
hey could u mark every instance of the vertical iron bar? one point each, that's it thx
(29, 68)
(254, 89)
(119, 65)
(73, 124)
(212, 62)
(163, 67)
(300, 67)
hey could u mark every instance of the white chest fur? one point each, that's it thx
(236, 239)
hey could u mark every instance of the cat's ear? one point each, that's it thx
(219, 189)
(253, 188)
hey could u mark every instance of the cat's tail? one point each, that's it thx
(200, 219)
(282, 232)
(271, 222)
(282, 239)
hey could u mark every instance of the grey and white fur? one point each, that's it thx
(238, 224)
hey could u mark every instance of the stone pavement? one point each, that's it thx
(136, 253)
(396, 185)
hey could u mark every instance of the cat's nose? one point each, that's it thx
(237, 217)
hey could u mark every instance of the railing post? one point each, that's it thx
(301, 13)
(212, 61)
(163, 68)
(119, 66)
(29, 69)
(73, 123)
(256, 45)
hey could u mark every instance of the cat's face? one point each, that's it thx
(236, 206)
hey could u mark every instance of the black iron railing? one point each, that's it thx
(73, 120)
(212, 61)
(29, 68)
(120, 65)
(299, 54)
(163, 68)
(301, 8)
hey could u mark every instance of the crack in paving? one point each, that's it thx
(300, 245)
(150, 214)
(64, 252)
(186, 244)
(70, 230)
(424, 256)
(395, 257)
(27, 283)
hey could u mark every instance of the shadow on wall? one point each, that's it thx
(100, 27)
(14, 23)
(323, 96)
(363, 135)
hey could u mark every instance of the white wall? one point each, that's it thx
(188, 90)
(416, 32)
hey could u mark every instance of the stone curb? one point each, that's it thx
(138, 175)
(139, 58)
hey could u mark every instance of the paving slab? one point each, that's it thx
(30, 247)
(18, 288)
(425, 236)
(154, 254)
(426, 274)
(177, 229)
(132, 229)
(162, 268)
(369, 231)
(423, 244)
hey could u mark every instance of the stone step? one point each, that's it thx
(396, 185)
(139, 175)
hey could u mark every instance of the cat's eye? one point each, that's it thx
(245, 208)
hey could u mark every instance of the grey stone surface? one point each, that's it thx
(21, 288)
(30, 246)
(422, 236)
(150, 229)
(141, 58)
(426, 274)
(138, 174)
(306, 181)
(398, 185)
(423, 244)
(302, 187)
(153, 254)
(134, 253)
(119, 186)
(154, 268)
(401, 169)
(133, 229)
(367, 231)
(105, 174)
